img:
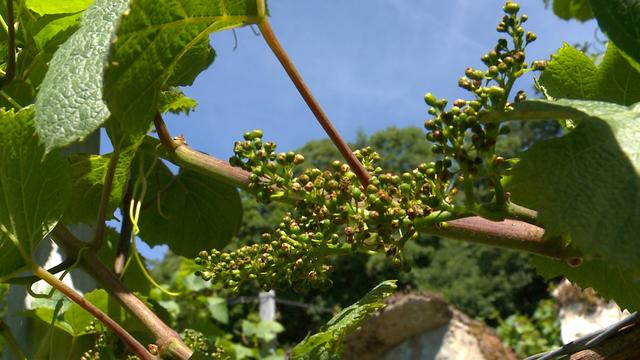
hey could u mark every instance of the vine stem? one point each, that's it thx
(516, 234)
(11, 341)
(101, 225)
(313, 104)
(11, 47)
(169, 343)
(124, 242)
(129, 340)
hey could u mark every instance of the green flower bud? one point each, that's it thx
(248, 135)
(298, 159)
(477, 75)
(531, 37)
(430, 99)
(257, 134)
(464, 83)
(511, 7)
(539, 65)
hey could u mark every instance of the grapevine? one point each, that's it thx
(336, 215)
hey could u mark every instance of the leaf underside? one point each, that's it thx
(34, 189)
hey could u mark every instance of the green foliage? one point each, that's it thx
(479, 280)
(572, 75)
(175, 101)
(188, 206)
(88, 174)
(572, 9)
(620, 20)
(44, 7)
(31, 207)
(160, 44)
(327, 344)
(535, 334)
(69, 104)
(594, 171)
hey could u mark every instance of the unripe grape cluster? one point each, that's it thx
(458, 132)
(335, 214)
(100, 344)
(196, 341)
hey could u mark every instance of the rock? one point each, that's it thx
(423, 326)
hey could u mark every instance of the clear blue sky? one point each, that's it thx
(368, 66)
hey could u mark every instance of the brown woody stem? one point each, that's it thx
(168, 341)
(129, 340)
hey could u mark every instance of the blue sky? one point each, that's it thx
(368, 66)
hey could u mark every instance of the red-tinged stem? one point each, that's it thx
(168, 341)
(311, 101)
(129, 340)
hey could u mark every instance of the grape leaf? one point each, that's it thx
(45, 7)
(69, 105)
(189, 211)
(620, 20)
(11, 262)
(611, 281)
(572, 75)
(175, 101)
(586, 183)
(161, 44)
(88, 173)
(572, 9)
(327, 344)
(618, 81)
(34, 188)
(217, 307)
(52, 30)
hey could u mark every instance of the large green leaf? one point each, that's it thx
(586, 183)
(69, 105)
(620, 20)
(611, 281)
(573, 9)
(327, 344)
(163, 43)
(88, 174)
(618, 81)
(572, 75)
(189, 211)
(34, 188)
(45, 7)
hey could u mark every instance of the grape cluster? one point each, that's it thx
(459, 133)
(196, 341)
(335, 214)
(101, 341)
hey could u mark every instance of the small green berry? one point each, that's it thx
(511, 7)
(430, 99)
